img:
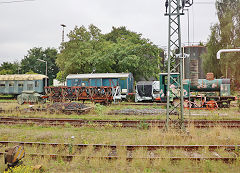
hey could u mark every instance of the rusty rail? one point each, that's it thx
(128, 147)
(118, 123)
(69, 158)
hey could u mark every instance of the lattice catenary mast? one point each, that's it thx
(174, 9)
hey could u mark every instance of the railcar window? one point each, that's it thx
(11, 85)
(2, 85)
(20, 85)
(165, 80)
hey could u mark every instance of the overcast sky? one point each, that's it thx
(25, 25)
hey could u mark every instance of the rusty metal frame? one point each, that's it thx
(77, 93)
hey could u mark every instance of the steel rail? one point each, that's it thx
(70, 157)
(113, 121)
(128, 147)
(117, 123)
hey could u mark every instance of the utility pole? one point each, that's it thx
(63, 26)
(174, 9)
(45, 71)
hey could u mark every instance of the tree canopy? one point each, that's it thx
(225, 35)
(121, 50)
(9, 68)
(31, 64)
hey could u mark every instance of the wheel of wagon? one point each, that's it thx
(220, 104)
(212, 104)
(20, 99)
(51, 110)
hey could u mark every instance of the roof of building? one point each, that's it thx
(98, 75)
(22, 77)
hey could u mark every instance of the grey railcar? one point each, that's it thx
(15, 84)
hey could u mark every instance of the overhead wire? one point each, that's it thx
(9, 2)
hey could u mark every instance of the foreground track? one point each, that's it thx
(117, 123)
(130, 148)
(127, 147)
(71, 157)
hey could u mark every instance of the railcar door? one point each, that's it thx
(30, 85)
(20, 87)
(96, 82)
(112, 82)
(11, 87)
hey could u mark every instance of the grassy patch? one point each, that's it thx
(101, 112)
(122, 166)
(120, 136)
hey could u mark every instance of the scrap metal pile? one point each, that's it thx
(95, 94)
(68, 108)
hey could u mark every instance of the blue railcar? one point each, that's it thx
(15, 84)
(123, 80)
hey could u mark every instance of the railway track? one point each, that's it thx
(232, 149)
(71, 157)
(127, 147)
(117, 123)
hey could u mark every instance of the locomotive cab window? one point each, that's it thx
(164, 80)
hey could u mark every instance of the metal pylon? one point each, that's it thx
(173, 11)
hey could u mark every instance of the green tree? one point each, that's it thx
(210, 62)
(119, 51)
(31, 64)
(9, 68)
(225, 34)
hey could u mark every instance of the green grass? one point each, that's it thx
(9, 101)
(120, 136)
(135, 166)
